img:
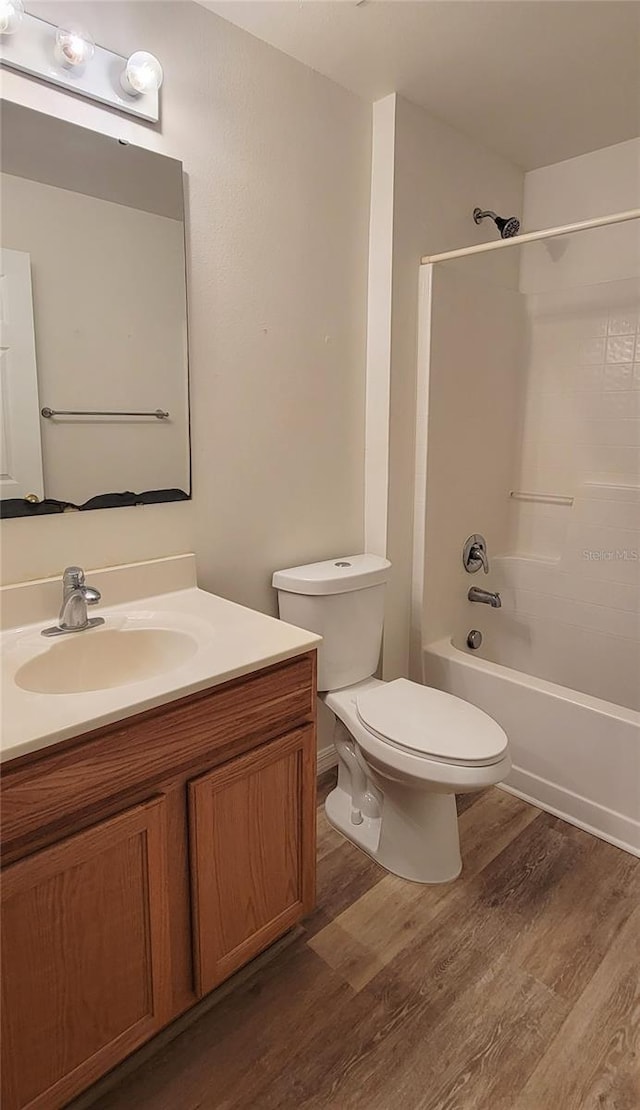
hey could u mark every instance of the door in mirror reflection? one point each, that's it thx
(21, 474)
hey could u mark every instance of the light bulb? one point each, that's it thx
(142, 74)
(73, 47)
(11, 13)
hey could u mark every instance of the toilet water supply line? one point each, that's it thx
(364, 802)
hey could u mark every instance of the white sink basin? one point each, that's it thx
(153, 649)
(103, 658)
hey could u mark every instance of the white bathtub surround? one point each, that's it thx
(572, 583)
(581, 420)
(225, 641)
(559, 666)
(574, 755)
(568, 572)
(573, 621)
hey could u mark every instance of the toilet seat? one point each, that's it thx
(423, 721)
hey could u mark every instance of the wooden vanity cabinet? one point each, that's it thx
(135, 883)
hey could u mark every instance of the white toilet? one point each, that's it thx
(404, 750)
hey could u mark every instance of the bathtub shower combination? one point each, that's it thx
(527, 432)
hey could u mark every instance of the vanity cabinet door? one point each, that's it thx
(85, 957)
(252, 824)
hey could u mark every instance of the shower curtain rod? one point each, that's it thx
(533, 236)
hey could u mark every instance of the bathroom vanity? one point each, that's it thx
(148, 858)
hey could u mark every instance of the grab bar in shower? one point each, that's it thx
(160, 414)
(542, 498)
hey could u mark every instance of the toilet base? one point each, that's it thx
(416, 837)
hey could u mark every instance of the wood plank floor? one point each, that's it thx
(517, 987)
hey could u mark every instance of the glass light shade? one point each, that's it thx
(142, 74)
(73, 47)
(11, 13)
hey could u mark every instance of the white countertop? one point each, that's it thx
(232, 641)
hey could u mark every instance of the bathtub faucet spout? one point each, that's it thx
(485, 597)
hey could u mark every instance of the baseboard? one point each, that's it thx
(327, 758)
(604, 823)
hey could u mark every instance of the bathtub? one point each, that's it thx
(574, 755)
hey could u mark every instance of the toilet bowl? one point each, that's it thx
(414, 749)
(404, 750)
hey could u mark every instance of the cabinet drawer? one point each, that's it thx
(210, 727)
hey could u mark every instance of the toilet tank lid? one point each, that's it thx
(334, 576)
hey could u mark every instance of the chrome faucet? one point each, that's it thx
(485, 597)
(76, 595)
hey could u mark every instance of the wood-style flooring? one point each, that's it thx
(517, 987)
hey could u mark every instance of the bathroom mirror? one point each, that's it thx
(93, 342)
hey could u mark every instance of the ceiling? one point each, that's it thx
(535, 80)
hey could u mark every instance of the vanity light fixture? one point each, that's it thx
(11, 15)
(69, 58)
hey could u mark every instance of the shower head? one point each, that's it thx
(507, 226)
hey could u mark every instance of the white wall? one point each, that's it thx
(278, 161)
(110, 326)
(439, 177)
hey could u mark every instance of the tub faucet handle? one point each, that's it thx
(478, 552)
(474, 554)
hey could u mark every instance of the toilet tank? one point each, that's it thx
(343, 601)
